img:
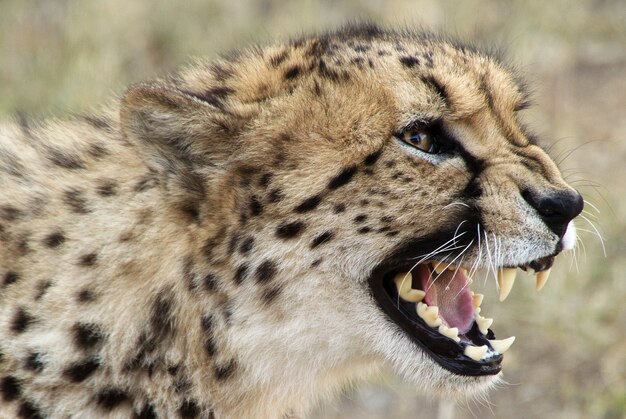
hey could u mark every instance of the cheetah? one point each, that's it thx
(242, 238)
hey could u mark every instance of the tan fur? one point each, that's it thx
(133, 241)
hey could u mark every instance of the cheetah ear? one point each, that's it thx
(176, 129)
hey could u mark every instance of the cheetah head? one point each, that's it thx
(376, 172)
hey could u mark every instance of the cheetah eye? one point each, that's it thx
(422, 140)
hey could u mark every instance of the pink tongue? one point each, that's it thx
(450, 292)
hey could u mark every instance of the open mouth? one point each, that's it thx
(433, 304)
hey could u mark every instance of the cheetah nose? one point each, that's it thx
(556, 208)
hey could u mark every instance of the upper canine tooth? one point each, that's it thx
(464, 271)
(451, 267)
(403, 284)
(506, 278)
(483, 324)
(429, 314)
(451, 332)
(502, 345)
(475, 352)
(477, 299)
(542, 278)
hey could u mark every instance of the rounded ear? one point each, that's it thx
(176, 127)
(178, 133)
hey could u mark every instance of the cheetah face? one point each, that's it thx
(385, 187)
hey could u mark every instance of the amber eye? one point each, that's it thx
(421, 140)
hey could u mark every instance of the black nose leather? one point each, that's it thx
(556, 208)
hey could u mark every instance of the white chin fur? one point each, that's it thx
(569, 238)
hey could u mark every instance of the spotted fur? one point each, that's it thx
(200, 247)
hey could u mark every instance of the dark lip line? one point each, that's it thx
(444, 351)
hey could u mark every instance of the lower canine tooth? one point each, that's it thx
(483, 324)
(502, 345)
(542, 278)
(506, 278)
(429, 314)
(475, 352)
(451, 332)
(403, 284)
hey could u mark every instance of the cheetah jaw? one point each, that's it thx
(432, 302)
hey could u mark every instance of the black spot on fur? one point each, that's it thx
(207, 326)
(360, 218)
(9, 278)
(21, 320)
(65, 160)
(290, 230)
(269, 295)
(279, 58)
(409, 61)
(87, 335)
(387, 219)
(97, 151)
(33, 362)
(161, 319)
(437, 87)
(106, 188)
(210, 282)
(225, 371)
(256, 208)
(28, 410)
(342, 178)
(189, 409)
(321, 239)
(240, 274)
(42, 287)
(54, 240)
(309, 204)
(80, 371)
(110, 398)
(85, 296)
(265, 180)
(265, 271)
(76, 201)
(275, 195)
(10, 388)
(364, 230)
(292, 72)
(10, 213)
(147, 412)
(339, 208)
(246, 245)
(328, 73)
(89, 259)
(372, 158)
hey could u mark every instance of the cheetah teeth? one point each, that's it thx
(506, 279)
(502, 345)
(475, 352)
(542, 278)
(430, 315)
(403, 284)
(479, 352)
(451, 332)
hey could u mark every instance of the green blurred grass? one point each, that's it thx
(569, 360)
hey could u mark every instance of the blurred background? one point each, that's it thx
(569, 360)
